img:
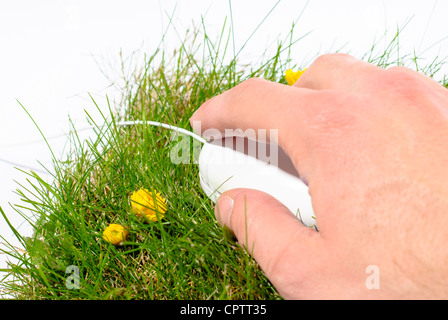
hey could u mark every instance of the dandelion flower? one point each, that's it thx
(115, 234)
(292, 76)
(149, 204)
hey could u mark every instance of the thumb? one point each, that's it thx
(270, 232)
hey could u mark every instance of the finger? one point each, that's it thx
(299, 118)
(253, 99)
(259, 105)
(339, 72)
(402, 74)
(285, 249)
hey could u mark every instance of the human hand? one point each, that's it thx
(372, 145)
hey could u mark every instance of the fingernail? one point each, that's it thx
(224, 207)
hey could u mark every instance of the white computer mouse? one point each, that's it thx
(234, 162)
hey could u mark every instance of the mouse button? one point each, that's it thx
(285, 163)
(269, 153)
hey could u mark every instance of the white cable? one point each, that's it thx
(120, 124)
(164, 125)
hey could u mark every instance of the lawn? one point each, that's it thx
(185, 254)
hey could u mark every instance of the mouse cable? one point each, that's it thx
(164, 125)
(119, 124)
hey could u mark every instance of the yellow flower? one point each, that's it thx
(115, 234)
(149, 204)
(292, 76)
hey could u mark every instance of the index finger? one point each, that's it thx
(258, 104)
(309, 124)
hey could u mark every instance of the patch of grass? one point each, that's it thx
(183, 256)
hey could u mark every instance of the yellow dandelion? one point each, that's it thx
(115, 234)
(292, 76)
(149, 204)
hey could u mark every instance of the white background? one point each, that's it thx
(54, 53)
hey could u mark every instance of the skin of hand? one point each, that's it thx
(372, 145)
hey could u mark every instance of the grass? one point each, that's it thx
(184, 256)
